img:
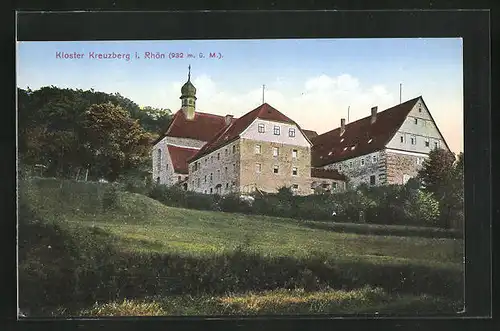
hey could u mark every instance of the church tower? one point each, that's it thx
(188, 97)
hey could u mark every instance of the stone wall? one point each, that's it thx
(217, 172)
(326, 184)
(360, 169)
(401, 167)
(265, 179)
(164, 170)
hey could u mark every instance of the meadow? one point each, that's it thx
(135, 256)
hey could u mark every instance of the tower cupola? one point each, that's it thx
(188, 97)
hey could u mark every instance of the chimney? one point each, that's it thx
(342, 126)
(374, 115)
(228, 119)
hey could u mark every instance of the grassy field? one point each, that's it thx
(140, 224)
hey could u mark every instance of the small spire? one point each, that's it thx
(189, 72)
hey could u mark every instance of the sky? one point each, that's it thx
(312, 81)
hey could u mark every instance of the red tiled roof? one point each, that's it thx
(202, 127)
(310, 134)
(327, 173)
(179, 157)
(228, 134)
(366, 138)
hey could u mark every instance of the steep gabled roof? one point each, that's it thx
(179, 157)
(327, 174)
(233, 131)
(310, 134)
(360, 137)
(203, 127)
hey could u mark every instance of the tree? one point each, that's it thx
(113, 141)
(436, 171)
(442, 175)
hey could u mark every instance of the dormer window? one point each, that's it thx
(353, 147)
(341, 140)
(370, 141)
(330, 153)
(345, 149)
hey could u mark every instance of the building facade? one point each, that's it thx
(265, 150)
(383, 148)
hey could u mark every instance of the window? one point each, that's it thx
(157, 180)
(218, 174)
(225, 151)
(427, 143)
(350, 165)
(211, 190)
(258, 167)
(225, 170)
(218, 156)
(205, 179)
(277, 130)
(340, 167)
(227, 186)
(419, 109)
(275, 151)
(374, 159)
(413, 140)
(234, 148)
(294, 171)
(211, 178)
(372, 180)
(362, 162)
(179, 178)
(261, 128)
(198, 182)
(291, 132)
(275, 169)
(192, 183)
(334, 185)
(416, 120)
(166, 166)
(436, 144)
(295, 187)
(294, 153)
(257, 149)
(402, 139)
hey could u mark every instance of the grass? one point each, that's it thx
(136, 224)
(367, 301)
(144, 224)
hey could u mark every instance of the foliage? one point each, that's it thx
(56, 131)
(443, 176)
